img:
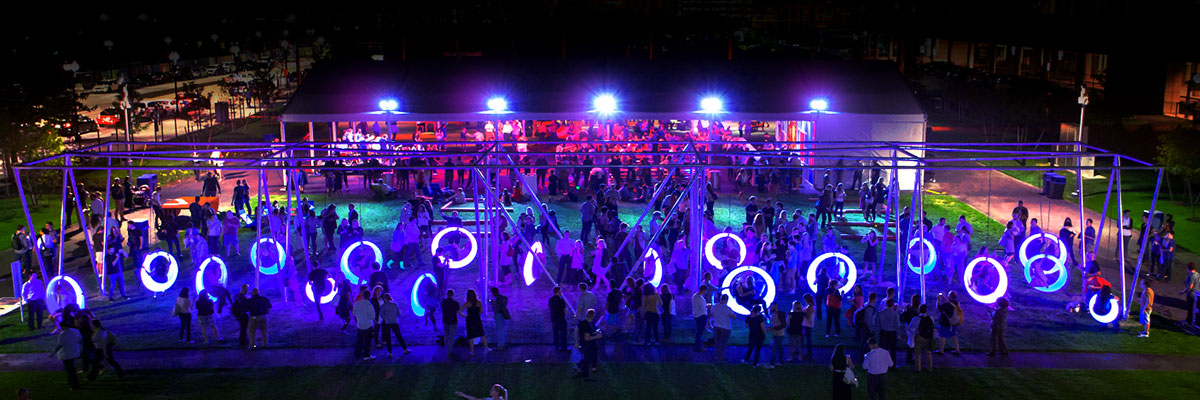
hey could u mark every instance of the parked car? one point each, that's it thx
(111, 116)
(73, 125)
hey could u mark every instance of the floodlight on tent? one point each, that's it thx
(605, 104)
(497, 105)
(388, 105)
(712, 105)
(818, 104)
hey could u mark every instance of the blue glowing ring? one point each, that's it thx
(455, 264)
(1114, 309)
(149, 282)
(1001, 285)
(1023, 253)
(767, 298)
(354, 279)
(712, 258)
(52, 305)
(200, 274)
(1058, 268)
(658, 266)
(527, 270)
(325, 299)
(272, 270)
(929, 263)
(851, 275)
(416, 289)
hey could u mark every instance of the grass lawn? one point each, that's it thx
(1138, 193)
(1041, 321)
(614, 381)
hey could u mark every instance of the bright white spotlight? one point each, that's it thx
(388, 105)
(497, 104)
(712, 105)
(605, 104)
(818, 104)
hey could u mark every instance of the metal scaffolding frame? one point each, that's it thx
(697, 159)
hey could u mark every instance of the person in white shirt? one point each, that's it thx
(364, 316)
(34, 292)
(722, 321)
(1126, 229)
(700, 314)
(586, 300)
(876, 362)
(69, 348)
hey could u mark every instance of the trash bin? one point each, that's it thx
(150, 180)
(1057, 184)
(1046, 183)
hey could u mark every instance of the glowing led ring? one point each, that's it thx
(767, 298)
(930, 263)
(325, 299)
(272, 270)
(149, 282)
(200, 274)
(1058, 268)
(455, 264)
(1026, 259)
(851, 275)
(1001, 285)
(416, 290)
(712, 258)
(658, 266)
(527, 271)
(52, 305)
(1114, 309)
(354, 279)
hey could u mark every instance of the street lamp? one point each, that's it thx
(174, 57)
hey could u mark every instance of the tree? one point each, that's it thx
(38, 92)
(1176, 153)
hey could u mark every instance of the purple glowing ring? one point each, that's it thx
(767, 298)
(272, 270)
(455, 264)
(354, 279)
(851, 275)
(1001, 285)
(416, 290)
(149, 282)
(658, 266)
(79, 297)
(527, 271)
(1058, 267)
(1023, 253)
(200, 274)
(325, 299)
(712, 258)
(929, 263)
(1114, 309)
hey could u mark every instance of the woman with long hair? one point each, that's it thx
(473, 311)
(183, 310)
(839, 363)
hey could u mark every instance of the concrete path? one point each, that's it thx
(619, 352)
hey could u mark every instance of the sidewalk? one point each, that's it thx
(619, 352)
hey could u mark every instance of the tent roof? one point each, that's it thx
(450, 90)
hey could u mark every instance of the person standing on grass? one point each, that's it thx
(949, 317)
(758, 334)
(876, 362)
(450, 309)
(241, 311)
(317, 278)
(923, 341)
(999, 314)
(612, 312)
(700, 314)
(651, 303)
(474, 316)
(34, 293)
(229, 234)
(258, 306)
(668, 310)
(103, 341)
(501, 316)
(558, 319)
(565, 248)
(833, 308)
(68, 349)
(183, 310)
(1147, 302)
(838, 364)
(1191, 288)
(779, 321)
(888, 321)
(1126, 230)
(345, 303)
(204, 314)
(588, 343)
(722, 319)
(364, 317)
(389, 317)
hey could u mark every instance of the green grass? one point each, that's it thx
(1138, 193)
(614, 381)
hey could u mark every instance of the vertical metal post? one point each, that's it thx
(258, 221)
(1099, 229)
(1121, 225)
(301, 220)
(893, 205)
(479, 219)
(104, 233)
(1145, 240)
(696, 241)
(1079, 194)
(28, 221)
(87, 235)
(62, 220)
(919, 220)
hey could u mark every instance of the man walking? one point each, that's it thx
(999, 324)
(258, 307)
(501, 316)
(588, 343)
(700, 314)
(241, 311)
(876, 362)
(449, 321)
(558, 319)
(69, 348)
(364, 319)
(104, 342)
